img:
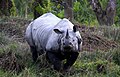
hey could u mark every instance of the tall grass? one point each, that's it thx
(88, 64)
(110, 32)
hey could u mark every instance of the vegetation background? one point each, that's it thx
(99, 60)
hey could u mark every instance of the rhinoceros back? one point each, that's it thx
(42, 29)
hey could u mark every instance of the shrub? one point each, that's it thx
(116, 56)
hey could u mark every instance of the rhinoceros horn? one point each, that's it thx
(67, 34)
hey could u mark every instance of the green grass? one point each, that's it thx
(88, 64)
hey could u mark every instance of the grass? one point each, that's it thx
(89, 64)
(110, 32)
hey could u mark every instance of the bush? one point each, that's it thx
(3, 39)
(116, 56)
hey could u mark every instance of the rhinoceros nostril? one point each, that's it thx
(70, 43)
(63, 43)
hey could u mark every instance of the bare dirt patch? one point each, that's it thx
(14, 27)
(93, 39)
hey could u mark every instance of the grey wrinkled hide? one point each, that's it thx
(40, 32)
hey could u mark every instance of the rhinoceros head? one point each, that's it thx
(68, 41)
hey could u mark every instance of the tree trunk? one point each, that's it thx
(5, 6)
(68, 6)
(68, 12)
(104, 17)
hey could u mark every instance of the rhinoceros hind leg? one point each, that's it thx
(34, 53)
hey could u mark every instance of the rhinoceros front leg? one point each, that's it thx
(70, 61)
(52, 58)
(34, 53)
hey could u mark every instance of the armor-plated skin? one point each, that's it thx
(56, 37)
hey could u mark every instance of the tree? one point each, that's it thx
(5, 6)
(104, 17)
(35, 5)
(68, 8)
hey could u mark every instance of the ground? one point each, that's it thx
(99, 51)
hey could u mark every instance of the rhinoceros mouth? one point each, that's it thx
(67, 48)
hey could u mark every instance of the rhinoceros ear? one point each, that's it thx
(58, 31)
(74, 29)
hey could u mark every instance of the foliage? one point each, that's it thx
(3, 39)
(117, 17)
(45, 8)
(84, 14)
(23, 7)
(13, 9)
(116, 57)
(82, 10)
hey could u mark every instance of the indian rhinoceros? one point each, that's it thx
(57, 38)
